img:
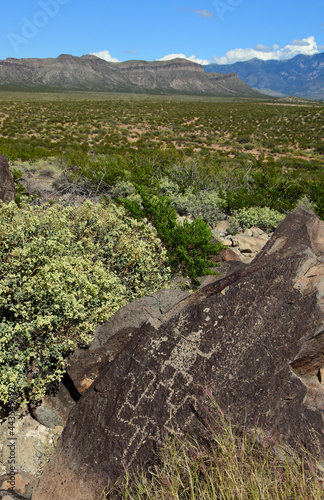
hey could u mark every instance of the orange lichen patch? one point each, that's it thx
(19, 487)
(85, 384)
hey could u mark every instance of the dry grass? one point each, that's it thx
(232, 466)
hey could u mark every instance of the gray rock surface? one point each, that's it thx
(7, 184)
(55, 407)
(29, 446)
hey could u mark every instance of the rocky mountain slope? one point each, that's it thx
(93, 74)
(302, 75)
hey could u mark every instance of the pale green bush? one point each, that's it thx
(63, 271)
(123, 189)
(184, 203)
(206, 204)
(306, 204)
(262, 217)
(168, 187)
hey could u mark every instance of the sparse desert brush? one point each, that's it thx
(63, 271)
(203, 133)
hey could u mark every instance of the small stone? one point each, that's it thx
(247, 232)
(226, 255)
(249, 244)
(256, 231)
(46, 416)
(234, 240)
(222, 227)
(23, 485)
(216, 234)
(226, 241)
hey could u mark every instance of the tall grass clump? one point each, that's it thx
(233, 465)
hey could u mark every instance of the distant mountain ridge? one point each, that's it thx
(91, 73)
(301, 76)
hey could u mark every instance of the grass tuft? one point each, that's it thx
(233, 465)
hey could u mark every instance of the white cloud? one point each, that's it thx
(104, 54)
(306, 46)
(203, 13)
(321, 48)
(182, 56)
(263, 48)
(301, 43)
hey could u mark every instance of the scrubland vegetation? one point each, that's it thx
(142, 160)
(145, 160)
(251, 154)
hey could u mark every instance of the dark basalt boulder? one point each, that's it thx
(7, 184)
(254, 339)
(110, 338)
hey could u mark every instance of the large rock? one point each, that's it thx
(7, 184)
(254, 339)
(56, 405)
(249, 244)
(110, 338)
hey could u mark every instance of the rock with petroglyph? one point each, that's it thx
(254, 339)
(110, 338)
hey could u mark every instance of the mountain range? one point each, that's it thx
(302, 75)
(67, 72)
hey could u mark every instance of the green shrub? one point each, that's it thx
(209, 206)
(189, 246)
(63, 271)
(234, 226)
(244, 139)
(184, 203)
(316, 195)
(96, 174)
(262, 217)
(17, 173)
(20, 191)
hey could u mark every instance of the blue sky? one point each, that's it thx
(221, 31)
